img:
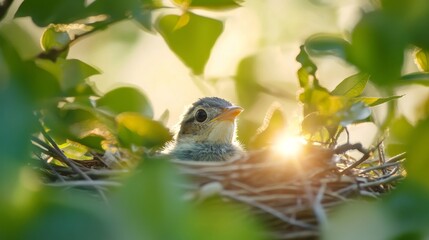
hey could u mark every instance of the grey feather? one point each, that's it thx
(206, 152)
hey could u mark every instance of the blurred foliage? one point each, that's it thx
(379, 40)
(377, 46)
(157, 207)
(401, 215)
(327, 113)
(194, 52)
(51, 92)
(271, 130)
(399, 135)
(404, 213)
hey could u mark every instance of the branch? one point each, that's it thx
(53, 53)
(58, 152)
(4, 8)
(268, 209)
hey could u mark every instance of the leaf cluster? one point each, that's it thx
(50, 101)
(69, 20)
(327, 113)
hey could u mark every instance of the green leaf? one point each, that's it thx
(418, 154)
(143, 15)
(90, 133)
(321, 101)
(326, 44)
(371, 216)
(126, 99)
(52, 39)
(74, 73)
(153, 206)
(422, 59)
(352, 86)
(214, 5)
(374, 101)
(71, 123)
(312, 123)
(116, 10)
(246, 81)
(407, 205)
(377, 47)
(71, 74)
(64, 215)
(307, 72)
(20, 38)
(273, 125)
(355, 113)
(45, 12)
(401, 214)
(306, 62)
(37, 84)
(144, 18)
(164, 117)
(80, 122)
(303, 78)
(413, 16)
(400, 130)
(393, 149)
(75, 151)
(40, 84)
(191, 37)
(416, 78)
(136, 129)
(17, 123)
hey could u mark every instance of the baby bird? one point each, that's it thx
(207, 132)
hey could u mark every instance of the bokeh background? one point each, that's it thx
(257, 48)
(269, 32)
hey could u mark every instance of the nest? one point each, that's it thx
(292, 195)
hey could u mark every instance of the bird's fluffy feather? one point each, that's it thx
(207, 152)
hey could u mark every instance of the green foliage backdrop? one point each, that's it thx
(48, 96)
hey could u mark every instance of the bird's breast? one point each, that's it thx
(205, 152)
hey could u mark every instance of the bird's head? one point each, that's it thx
(210, 120)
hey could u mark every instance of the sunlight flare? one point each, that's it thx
(289, 146)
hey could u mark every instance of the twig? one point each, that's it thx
(347, 134)
(355, 164)
(382, 181)
(45, 163)
(381, 156)
(348, 146)
(397, 158)
(317, 205)
(53, 53)
(365, 156)
(84, 183)
(70, 163)
(268, 209)
(4, 7)
(386, 165)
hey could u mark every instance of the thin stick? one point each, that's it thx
(386, 165)
(268, 209)
(84, 183)
(397, 158)
(71, 164)
(317, 206)
(45, 163)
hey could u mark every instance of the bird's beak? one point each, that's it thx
(229, 114)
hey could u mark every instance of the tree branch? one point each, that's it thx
(4, 8)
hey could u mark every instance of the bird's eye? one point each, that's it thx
(201, 115)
